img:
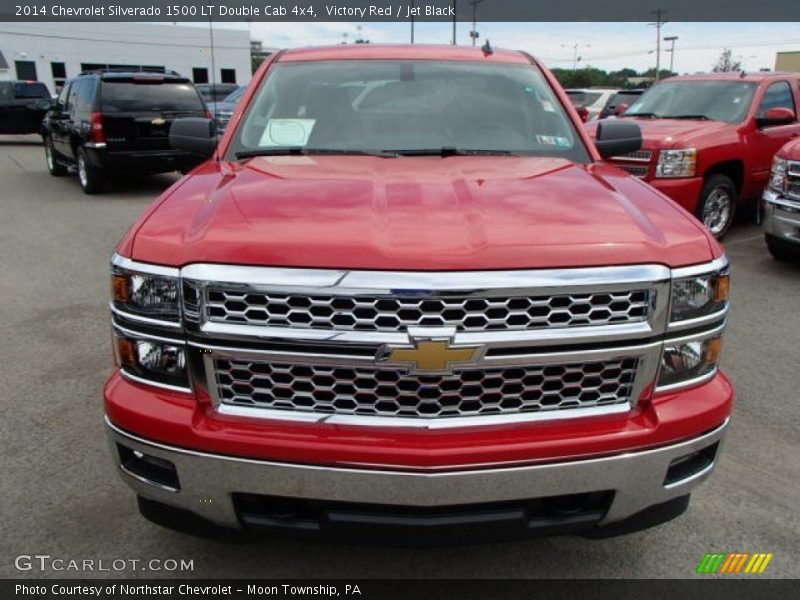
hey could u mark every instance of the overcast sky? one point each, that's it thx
(607, 46)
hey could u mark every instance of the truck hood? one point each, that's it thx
(415, 213)
(679, 133)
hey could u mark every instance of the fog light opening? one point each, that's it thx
(149, 469)
(689, 465)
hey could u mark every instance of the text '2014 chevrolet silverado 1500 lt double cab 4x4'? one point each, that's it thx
(406, 300)
(709, 139)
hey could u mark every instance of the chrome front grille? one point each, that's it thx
(635, 170)
(637, 156)
(399, 312)
(793, 180)
(380, 392)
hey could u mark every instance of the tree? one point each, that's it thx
(726, 63)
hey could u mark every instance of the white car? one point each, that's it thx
(593, 99)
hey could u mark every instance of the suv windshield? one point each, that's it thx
(715, 100)
(407, 106)
(147, 96)
(580, 98)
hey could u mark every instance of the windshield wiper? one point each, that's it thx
(445, 151)
(700, 117)
(303, 151)
(651, 115)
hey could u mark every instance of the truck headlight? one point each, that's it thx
(677, 163)
(145, 294)
(154, 360)
(777, 178)
(687, 360)
(700, 295)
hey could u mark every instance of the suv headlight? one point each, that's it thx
(689, 359)
(145, 294)
(677, 163)
(699, 296)
(777, 178)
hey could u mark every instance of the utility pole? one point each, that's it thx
(454, 22)
(413, 2)
(659, 22)
(474, 33)
(575, 57)
(671, 39)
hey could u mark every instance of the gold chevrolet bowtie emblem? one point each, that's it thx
(431, 356)
(158, 121)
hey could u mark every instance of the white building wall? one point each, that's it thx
(176, 47)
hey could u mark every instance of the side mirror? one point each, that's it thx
(583, 113)
(195, 135)
(776, 116)
(615, 137)
(620, 109)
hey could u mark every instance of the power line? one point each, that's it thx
(114, 41)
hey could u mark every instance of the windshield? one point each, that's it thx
(726, 101)
(128, 96)
(396, 106)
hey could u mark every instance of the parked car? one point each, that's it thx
(23, 105)
(619, 102)
(709, 139)
(781, 211)
(421, 311)
(112, 121)
(223, 111)
(594, 99)
(216, 92)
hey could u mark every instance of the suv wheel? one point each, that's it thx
(56, 169)
(781, 250)
(717, 205)
(91, 178)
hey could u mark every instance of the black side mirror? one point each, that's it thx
(195, 135)
(44, 104)
(617, 136)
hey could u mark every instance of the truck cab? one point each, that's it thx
(708, 140)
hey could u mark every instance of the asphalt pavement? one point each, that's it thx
(61, 496)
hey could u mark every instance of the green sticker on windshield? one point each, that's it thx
(287, 132)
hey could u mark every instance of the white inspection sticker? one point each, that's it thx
(287, 132)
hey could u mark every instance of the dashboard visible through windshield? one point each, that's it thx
(412, 107)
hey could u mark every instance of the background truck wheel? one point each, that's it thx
(717, 205)
(90, 178)
(781, 250)
(56, 169)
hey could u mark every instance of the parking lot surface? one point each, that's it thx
(61, 496)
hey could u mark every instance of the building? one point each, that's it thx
(54, 52)
(788, 61)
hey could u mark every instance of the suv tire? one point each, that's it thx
(90, 177)
(717, 206)
(781, 250)
(56, 168)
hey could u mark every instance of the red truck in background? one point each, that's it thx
(405, 299)
(781, 207)
(708, 140)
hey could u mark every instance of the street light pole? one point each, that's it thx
(671, 39)
(413, 2)
(474, 33)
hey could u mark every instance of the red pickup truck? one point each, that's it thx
(781, 207)
(709, 139)
(405, 299)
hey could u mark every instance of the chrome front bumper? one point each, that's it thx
(207, 481)
(781, 217)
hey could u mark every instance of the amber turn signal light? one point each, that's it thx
(120, 288)
(722, 288)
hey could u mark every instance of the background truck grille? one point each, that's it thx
(635, 170)
(397, 313)
(793, 180)
(391, 393)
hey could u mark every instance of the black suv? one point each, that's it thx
(23, 105)
(105, 121)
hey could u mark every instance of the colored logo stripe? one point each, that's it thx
(734, 562)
